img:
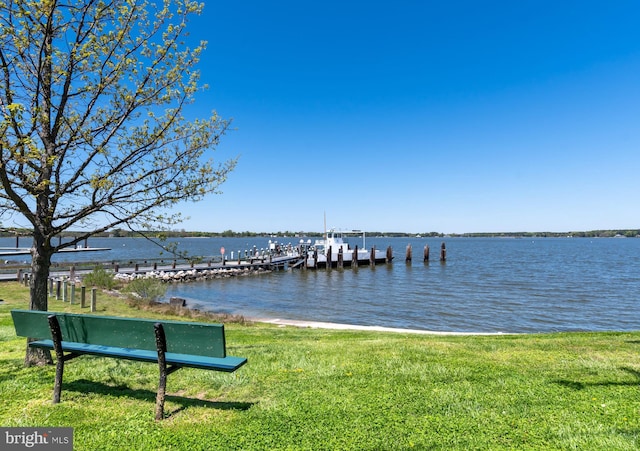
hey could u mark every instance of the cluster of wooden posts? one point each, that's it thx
(64, 289)
(443, 253)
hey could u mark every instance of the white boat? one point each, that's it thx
(336, 249)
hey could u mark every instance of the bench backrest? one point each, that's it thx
(182, 337)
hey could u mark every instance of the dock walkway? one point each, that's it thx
(15, 272)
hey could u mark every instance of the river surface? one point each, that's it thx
(486, 285)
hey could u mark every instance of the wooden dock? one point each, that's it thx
(59, 270)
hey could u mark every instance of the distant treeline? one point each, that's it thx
(632, 233)
(629, 233)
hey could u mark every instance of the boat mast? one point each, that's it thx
(325, 226)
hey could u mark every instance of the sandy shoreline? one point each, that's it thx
(340, 326)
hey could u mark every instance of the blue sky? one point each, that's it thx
(419, 116)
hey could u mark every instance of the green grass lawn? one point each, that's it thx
(327, 389)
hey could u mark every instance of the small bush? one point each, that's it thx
(146, 289)
(100, 278)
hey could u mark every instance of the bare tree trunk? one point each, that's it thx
(41, 253)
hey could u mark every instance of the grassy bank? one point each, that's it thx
(327, 389)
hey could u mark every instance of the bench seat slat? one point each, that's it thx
(227, 364)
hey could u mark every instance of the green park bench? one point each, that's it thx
(170, 344)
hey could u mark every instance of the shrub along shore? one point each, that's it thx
(338, 389)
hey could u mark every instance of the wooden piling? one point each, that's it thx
(354, 257)
(443, 252)
(340, 258)
(426, 253)
(408, 255)
(329, 257)
(372, 256)
(93, 299)
(389, 254)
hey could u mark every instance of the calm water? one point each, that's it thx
(486, 285)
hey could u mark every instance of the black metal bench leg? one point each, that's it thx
(161, 344)
(57, 386)
(56, 336)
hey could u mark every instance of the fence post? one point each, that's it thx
(73, 293)
(64, 291)
(83, 296)
(93, 299)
